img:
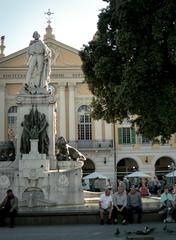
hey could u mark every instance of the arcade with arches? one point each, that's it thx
(126, 166)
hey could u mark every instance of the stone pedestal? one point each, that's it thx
(38, 180)
(33, 165)
(45, 103)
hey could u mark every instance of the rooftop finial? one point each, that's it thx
(49, 13)
(2, 46)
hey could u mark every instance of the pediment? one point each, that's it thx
(15, 60)
(62, 56)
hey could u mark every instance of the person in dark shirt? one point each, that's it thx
(9, 207)
(134, 204)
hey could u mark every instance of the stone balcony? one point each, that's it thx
(92, 144)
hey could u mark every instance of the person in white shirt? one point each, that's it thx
(105, 205)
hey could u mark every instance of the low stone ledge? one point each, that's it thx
(72, 211)
(71, 216)
(140, 237)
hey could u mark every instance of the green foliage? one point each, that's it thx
(130, 65)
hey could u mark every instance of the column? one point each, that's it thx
(62, 110)
(2, 112)
(71, 111)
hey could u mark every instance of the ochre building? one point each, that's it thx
(95, 139)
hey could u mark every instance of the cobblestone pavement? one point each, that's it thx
(85, 232)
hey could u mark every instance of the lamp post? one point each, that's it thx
(115, 156)
(172, 169)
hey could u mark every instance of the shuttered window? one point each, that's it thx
(126, 136)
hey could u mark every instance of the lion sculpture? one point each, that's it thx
(65, 152)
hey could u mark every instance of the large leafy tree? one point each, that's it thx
(130, 65)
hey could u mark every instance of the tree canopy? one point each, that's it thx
(130, 65)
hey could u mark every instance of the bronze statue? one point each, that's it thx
(7, 151)
(34, 127)
(25, 137)
(65, 152)
(43, 136)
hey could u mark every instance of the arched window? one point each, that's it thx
(12, 109)
(12, 116)
(84, 123)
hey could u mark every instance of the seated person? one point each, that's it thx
(105, 205)
(167, 205)
(9, 207)
(144, 190)
(119, 205)
(134, 204)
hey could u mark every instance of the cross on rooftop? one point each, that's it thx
(49, 13)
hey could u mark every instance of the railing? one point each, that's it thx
(100, 144)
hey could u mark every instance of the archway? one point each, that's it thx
(88, 167)
(163, 166)
(126, 166)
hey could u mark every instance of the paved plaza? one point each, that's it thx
(85, 232)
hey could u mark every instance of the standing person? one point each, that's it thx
(140, 181)
(163, 183)
(109, 185)
(127, 183)
(119, 205)
(156, 185)
(9, 207)
(144, 190)
(134, 204)
(97, 184)
(120, 182)
(105, 205)
(39, 63)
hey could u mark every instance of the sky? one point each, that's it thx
(74, 22)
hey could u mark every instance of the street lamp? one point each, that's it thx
(115, 156)
(172, 169)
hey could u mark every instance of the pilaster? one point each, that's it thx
(108, 130)
(71, 111)
(62, 110)
(98, 130)
(2, 111)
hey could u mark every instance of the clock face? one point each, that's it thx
(4, 181)
(51, 89)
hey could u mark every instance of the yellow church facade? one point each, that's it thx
(95, 139)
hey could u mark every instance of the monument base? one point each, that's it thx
(39, 186)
